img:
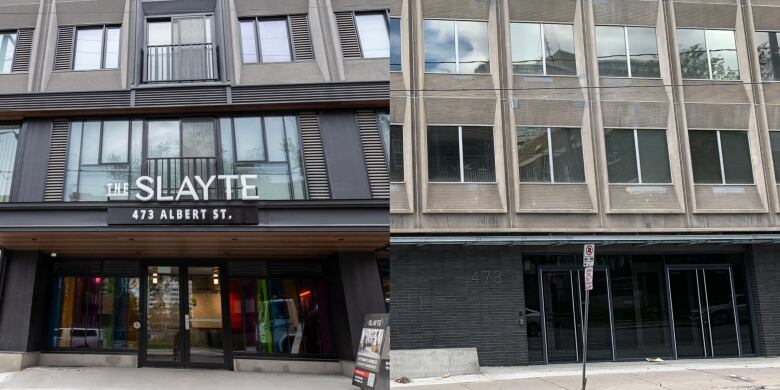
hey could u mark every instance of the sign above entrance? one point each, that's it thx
(191, 188)
(183, 216)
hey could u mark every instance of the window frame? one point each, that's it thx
(104, 29)
(258, 45)
(635, 132)
(627, 45)
(542, 45)
(386, 19)
(390, 37)
(709, 55)
(460, 156)
(457, 49)
(551, 157)
(722, 165)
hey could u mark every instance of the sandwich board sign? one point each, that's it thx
(372, 365)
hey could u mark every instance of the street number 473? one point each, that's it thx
(486, 277)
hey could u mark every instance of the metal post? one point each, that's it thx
(585, 339)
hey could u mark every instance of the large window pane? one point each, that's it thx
(159, 33)
(654, 156)
(621, 156)
(723, 53)
(294, 156)
(768, 55)
(89, 49)
(643, 48)
(90, 148)
(559, 48)
(115, 142)
(373, 35)
(275, 139)
(163, 139)
(473, 47)
(395, 44)
(478, 161)
(705, 158)
(274, 41)
(567, 155)
(736, 157)
(112, 47)
(439, 42)
(443, 154)
(248, 42)
(198, 140)
(396, 153)
(693, 54)
(611, 48)
(527, 48)
(9, 138)
(249, 139)
(774, 137)
(7, 50)
(533, 155)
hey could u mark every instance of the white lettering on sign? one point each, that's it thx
(150, 188)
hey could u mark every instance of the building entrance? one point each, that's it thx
(184, 314)
(704, 311)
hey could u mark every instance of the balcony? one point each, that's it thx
(180, 63)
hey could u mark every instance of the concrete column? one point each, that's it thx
(766, 297)
(23, 311)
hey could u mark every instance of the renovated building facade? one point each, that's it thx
(197, 183)
(522, 129)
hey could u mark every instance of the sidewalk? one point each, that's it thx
(159, 379)
(744, 373)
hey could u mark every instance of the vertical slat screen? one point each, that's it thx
(350, 46)
(63, 57)
(301, 36)
(374, 154)
(314, 156)
(58, 158)
(24, 39)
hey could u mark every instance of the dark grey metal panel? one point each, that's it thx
(350, 45)
(344, 156)
(63, 57)
(21, 316)
(313, 156)
(58, 159)
(177, 7)
(32, 160)
(374, 153)
(301, 36)
(24, 40)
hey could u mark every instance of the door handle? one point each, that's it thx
(187, 322)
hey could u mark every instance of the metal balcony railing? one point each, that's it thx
(184, 62)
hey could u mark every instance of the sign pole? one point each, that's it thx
(588, 261)
(585, 340)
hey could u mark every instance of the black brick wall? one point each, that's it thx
(766, 297)
(435, 303)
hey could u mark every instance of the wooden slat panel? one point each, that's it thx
(63, 57)
(301, 37)
(24, 39)
(314, 156)
(58, 159)
(350, 46)
(374, 154)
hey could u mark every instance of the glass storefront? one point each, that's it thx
(668, 306)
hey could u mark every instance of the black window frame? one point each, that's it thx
(637, 146)
(385, 17)
(104, 28)
(258, 46)
(461, 164)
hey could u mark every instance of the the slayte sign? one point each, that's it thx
(195, 188)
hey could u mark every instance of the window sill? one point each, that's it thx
(85, 70)
(553, 183)
(572, 76)
(463, 182)
(631, 78)
(459, 74)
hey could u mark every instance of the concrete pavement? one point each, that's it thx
(731, 374)
(159, 378)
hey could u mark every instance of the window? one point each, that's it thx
(96, 48)
(395, 44)
(456, 46)
(268, 147)
(265, 41)
(708, 54)
(392, 140)
(373, 35)
(774, 137)
(94, 313)
(7, 50)
(720, 157)
(280, 316)
(768, 55)
(627, 51)
(637, 156)
(550, 155)
(9, 138)
(461, 154)
(102, 152)
(546, 49)
(180, 48)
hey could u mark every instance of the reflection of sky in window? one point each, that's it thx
(395, 44)
(274, 41)
(473, 47)
(248, 43)
(439, 37)
(7, 48)
(723, 51)
(163, 139)
(372, 31)
(525, 43)
(89, 47)
(611, 48)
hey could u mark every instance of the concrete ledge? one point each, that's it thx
(49, 359)
(347, 368)
(17, 361)
(314, 367)
(426, 363)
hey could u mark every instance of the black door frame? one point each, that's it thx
(705, 340)
(575, 274)
(184, 347)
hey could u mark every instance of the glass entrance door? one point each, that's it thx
(184, 317)
(562, 294)
(703, 312)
